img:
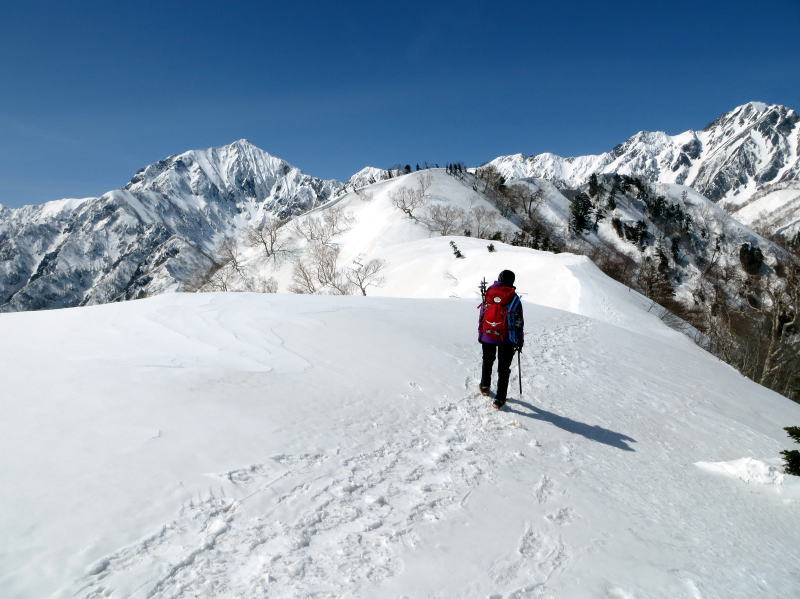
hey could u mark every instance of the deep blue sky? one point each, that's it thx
(92, 91)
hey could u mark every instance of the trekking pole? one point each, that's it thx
(519, 370)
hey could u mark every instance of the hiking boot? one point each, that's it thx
(499, 403)
(484, 390)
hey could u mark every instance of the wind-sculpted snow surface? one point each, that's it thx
(748, 160)
(244, 445)
(155, 235)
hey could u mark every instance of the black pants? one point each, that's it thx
(505, 353)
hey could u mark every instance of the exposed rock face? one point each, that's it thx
(153, 235)
(747, 160)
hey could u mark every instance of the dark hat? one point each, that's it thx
(506, 278)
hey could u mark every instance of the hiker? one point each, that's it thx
(500, 333)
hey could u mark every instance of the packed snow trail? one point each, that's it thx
(296, 446)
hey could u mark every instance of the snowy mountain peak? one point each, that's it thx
(756, 105)
(748, 160)
(212, 172)
(366, 176)
(754, 115)
(244, 143)
(150, 236)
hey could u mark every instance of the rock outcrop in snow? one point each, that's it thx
(748, 160)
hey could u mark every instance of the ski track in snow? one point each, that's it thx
(327, 525)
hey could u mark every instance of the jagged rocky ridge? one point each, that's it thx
(154, 235)
(748, 160)
(163, 230)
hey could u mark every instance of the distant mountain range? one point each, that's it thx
(164, 229)
(747, 160)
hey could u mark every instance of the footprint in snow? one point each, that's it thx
(544, 489)
(561, 516)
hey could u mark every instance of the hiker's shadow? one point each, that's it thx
(593, 432)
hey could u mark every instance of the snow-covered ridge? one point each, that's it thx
(252, 445)
(738, 155)
(163, 231)
(280, 445)
(377, 230)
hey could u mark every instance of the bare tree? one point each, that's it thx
(408, 199)
(445, 219)
(531, 200)
(781, 315)
(310, 228)
(230, 256)
(321, 229)
(266, 285)
(336, 220)
(320, 271)
(518, 198)
(616, 265)
(363, 275)
(303, 278)
(424, 182)
(650, 281)
(492, 179)
(267, 235)
(484, 222)
(510, 201)
(325, 259)
(219, 280)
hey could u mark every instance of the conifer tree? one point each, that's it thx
(579, 213)
(612, 202)
(791, 457)
(593, 186)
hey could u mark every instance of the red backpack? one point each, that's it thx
(494, 312)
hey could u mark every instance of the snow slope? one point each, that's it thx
(246, 445)
(377, 230)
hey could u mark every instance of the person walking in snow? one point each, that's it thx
(500, 333)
